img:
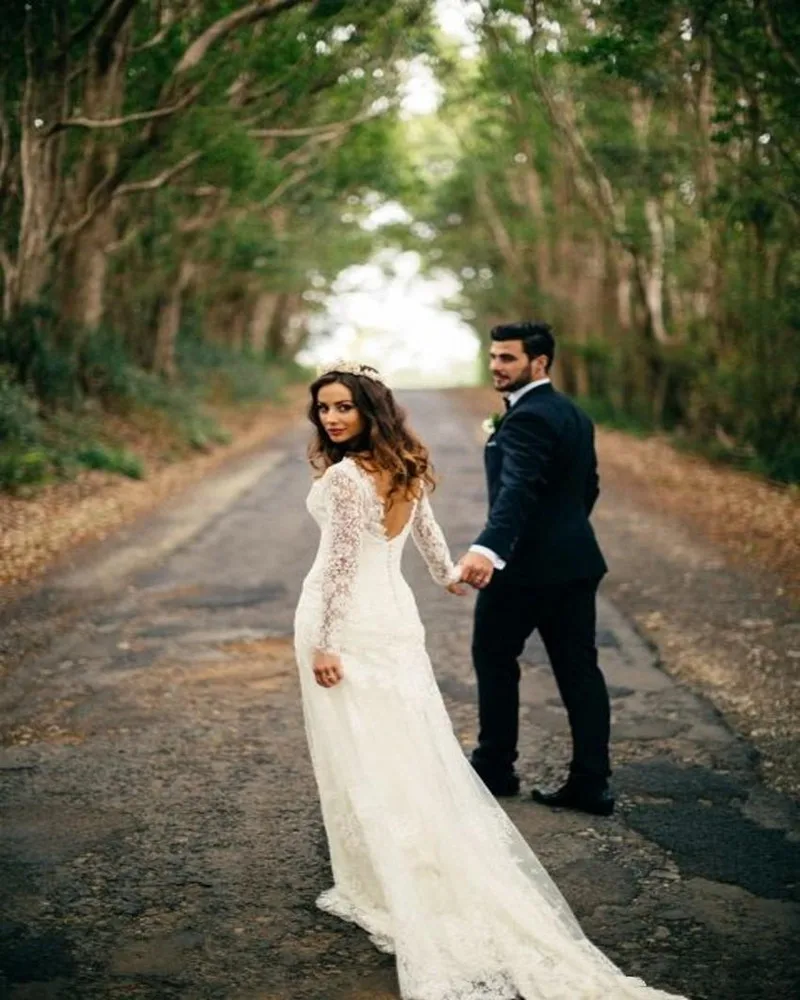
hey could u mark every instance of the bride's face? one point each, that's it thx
(340, 417)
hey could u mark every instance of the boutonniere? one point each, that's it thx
(490, 424)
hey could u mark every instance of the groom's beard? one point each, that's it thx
(516, 386)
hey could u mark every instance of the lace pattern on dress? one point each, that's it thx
(432, 545)
(346, 510)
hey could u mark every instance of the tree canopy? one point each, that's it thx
(627, 169)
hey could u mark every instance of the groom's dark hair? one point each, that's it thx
(537, 338)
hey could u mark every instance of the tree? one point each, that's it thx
(629, 170)
(114, 100)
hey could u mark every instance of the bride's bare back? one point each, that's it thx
(397, 510)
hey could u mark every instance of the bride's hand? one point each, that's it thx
(456, 586)
(327, 669)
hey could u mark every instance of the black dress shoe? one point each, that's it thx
(500, 785)
(582, 798)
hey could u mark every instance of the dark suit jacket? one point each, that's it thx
(541, 471)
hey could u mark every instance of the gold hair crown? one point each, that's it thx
(352, 368)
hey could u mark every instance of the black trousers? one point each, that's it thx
(506, 614)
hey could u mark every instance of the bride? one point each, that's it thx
(423, 857)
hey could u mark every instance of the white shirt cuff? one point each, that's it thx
(493, 557)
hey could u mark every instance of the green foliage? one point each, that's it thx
(225, 375)
(28, 348)
(19, 419)
(97, 456)
(603, 411)
(19, 469)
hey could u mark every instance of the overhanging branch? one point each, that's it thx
(296, 133)
(153, 183)
(105, 192)
(249, 14)
(167, 17)
(119, 122)
(301, 174)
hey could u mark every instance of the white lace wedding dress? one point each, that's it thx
(423, 857)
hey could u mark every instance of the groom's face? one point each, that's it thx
(510, 366)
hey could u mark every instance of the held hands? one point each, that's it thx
(476, 570)
(327, 669)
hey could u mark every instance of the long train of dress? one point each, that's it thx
(423, 857)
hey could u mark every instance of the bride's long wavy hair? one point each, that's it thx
(386, 444)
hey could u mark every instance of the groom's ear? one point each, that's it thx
(540, 366)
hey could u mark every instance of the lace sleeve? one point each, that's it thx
(346, 511)
(430, 541)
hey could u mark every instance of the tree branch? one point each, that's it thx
(151, 42)
(160, 179)
(137, 116)
(249, 14)
(302, 153)
(166, 20)
(105, 191)
(288, 133)
(289, 182)
(301, 174)
(208, 216)
(125, 240)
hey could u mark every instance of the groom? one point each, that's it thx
(537, 565)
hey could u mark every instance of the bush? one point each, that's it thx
(23, 468)
(19, 420)
(28, 346)
(97, 456)
(221, 374)
(106, 371)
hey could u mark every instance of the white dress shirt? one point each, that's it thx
(512, 398)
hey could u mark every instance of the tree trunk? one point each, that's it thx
(525, 187)
(654, 276)
(276, 342)
(260, 321)
(83, 274)
(500, 234)
(41, 167)
(708, 298)
(169, 323)
(650, 271)
(85, 265)
(533, 196)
